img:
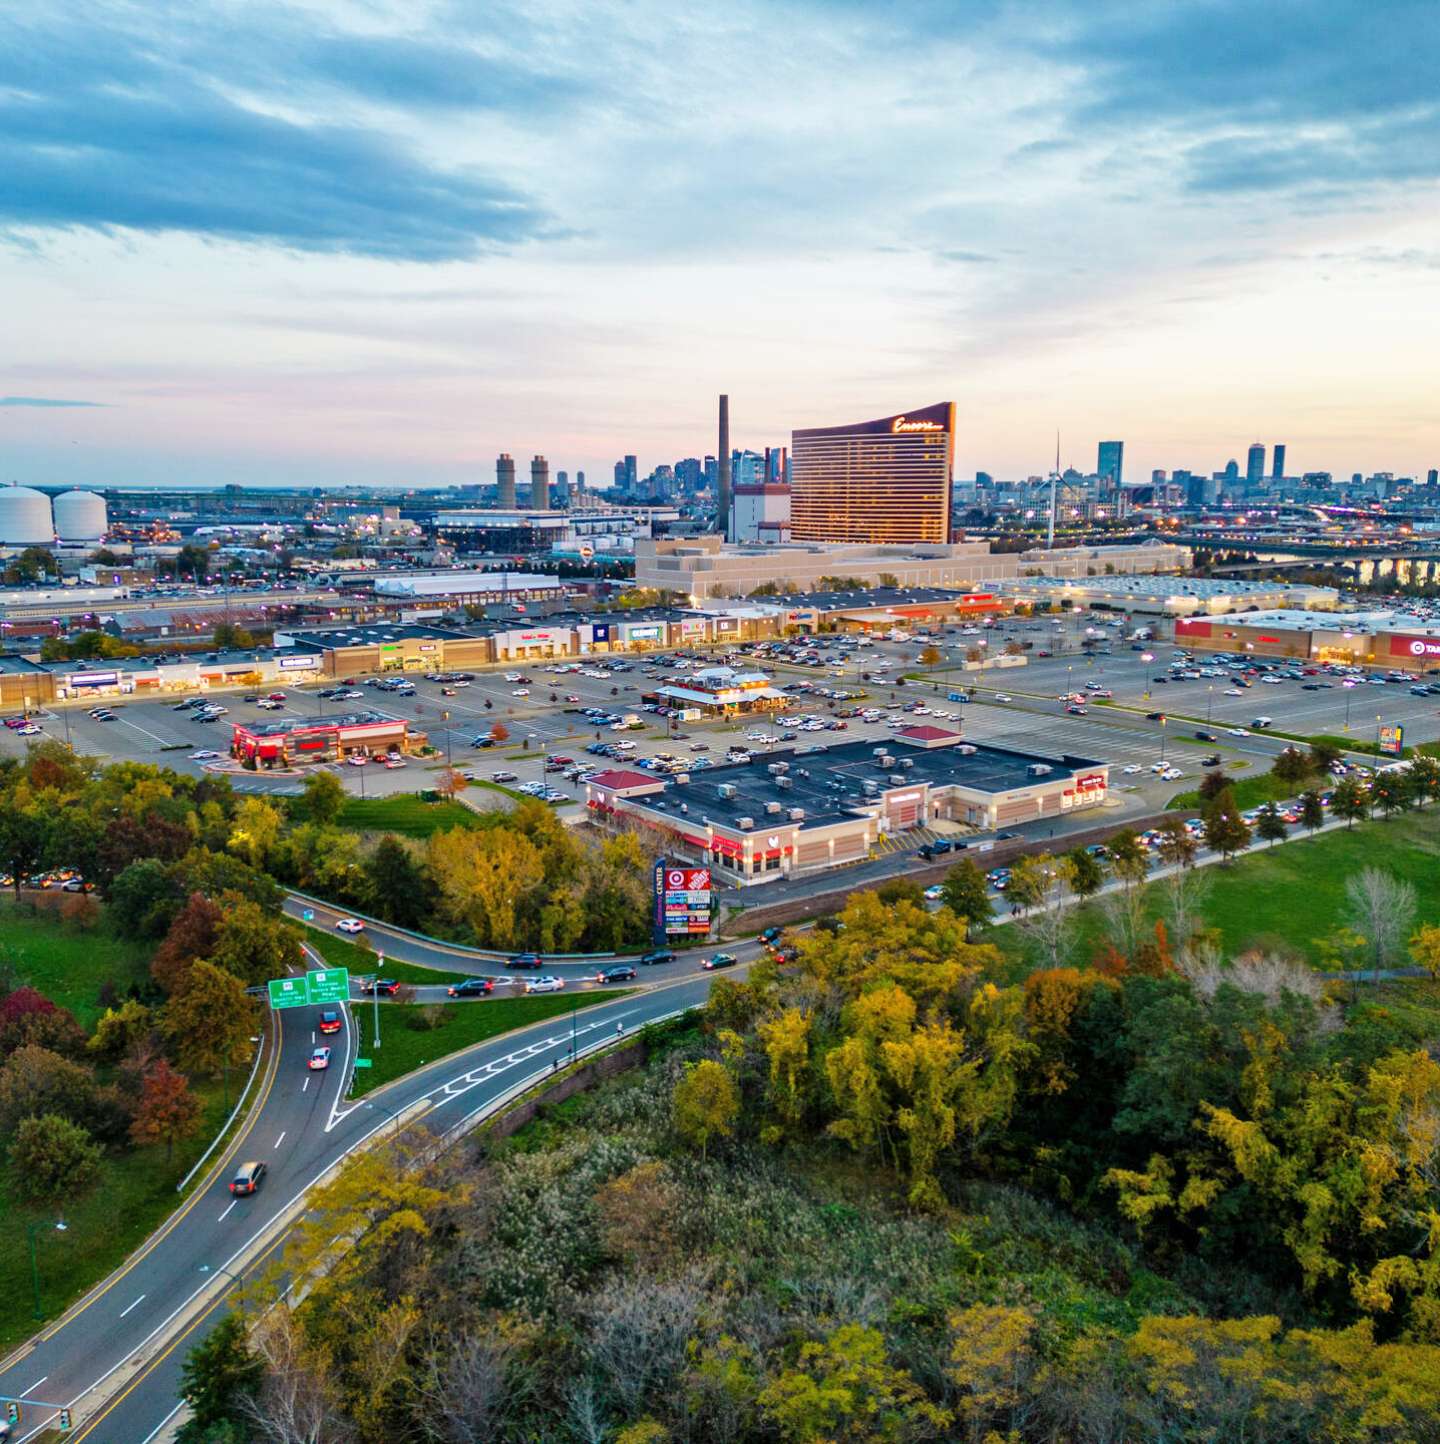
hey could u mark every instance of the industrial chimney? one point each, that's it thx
(505, 481)
(722, 520)
(539, 484)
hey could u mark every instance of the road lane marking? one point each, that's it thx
(31, 1388)
(160, 1428)
(226, 1214)
(281, 1138)
(305, 1084)
(135, 1305)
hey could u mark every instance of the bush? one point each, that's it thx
(426, 1019)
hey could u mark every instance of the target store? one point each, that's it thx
(1389, 641)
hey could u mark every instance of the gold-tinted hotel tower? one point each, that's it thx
(875, 481)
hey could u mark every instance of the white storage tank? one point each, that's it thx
(25, 517)
(80, 516)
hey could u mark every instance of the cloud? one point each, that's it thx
(124, 137)
(44, 401)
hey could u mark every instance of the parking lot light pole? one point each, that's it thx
(379, 964)
(1209, 702)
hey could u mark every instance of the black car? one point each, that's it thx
(624, 973)
(660, 955)
(482, 741)
(386, 987)
(471, 988)
(720, 960)
(524, 960)
(1206, 737)
(1154, 716)
(1213, 760)
(769, 935)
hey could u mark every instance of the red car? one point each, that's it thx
(330, 1020)
(276, 697)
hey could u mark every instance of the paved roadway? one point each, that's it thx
(299, 1125)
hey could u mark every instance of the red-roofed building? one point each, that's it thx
(924, 736)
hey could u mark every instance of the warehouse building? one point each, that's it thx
(1172, 596)
(791, 813)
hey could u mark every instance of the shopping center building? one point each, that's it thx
(1380, 639)
(787, 813)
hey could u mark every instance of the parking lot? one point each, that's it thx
(541, 708)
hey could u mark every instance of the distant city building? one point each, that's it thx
(1111, 462)
(562, 487)
(1432, 477)
(1232, 471)
(1255, 464)
(887, 480)
(1277, 464)
(539, 484)
(505, 482)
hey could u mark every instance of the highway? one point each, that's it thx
(115, 1356)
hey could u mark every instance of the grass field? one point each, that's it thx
(405, 813)
(340, 952)
(404, 1048)
(135, 1195)
(67, 965)
(1292, 896)
(1249, 792)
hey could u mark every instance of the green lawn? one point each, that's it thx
(1293, 896)
(1249, 791)
(405, 813)
(67, 965)
(340, 952)
(135, 1195)
(404, 1048)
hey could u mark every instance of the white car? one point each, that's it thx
(1171, 774)
(935, 893)
(1003, 697)
(1131, 768)
(206, 756)
(512, 676)
(1234, 691)
(357, 759)
(545, 984)
(349, 925)
(1238, 731)
(520, 692)
(266, 705)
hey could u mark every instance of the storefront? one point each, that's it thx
(294, 741)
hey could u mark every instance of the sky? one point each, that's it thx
(376, 242)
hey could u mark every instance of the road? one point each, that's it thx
(124, 1331)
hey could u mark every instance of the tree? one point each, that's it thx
(786, 1039)
(706, 1104)
(1176, 845)
(1350, 801)
(29, 1017)
(22, 843)
(967, 894)
(1214, 783)
(1323, 756)
(930, 656)
(1226, 832)
(844, 1390)
(1381, 908)
(482, 877)
(1270, 826)
(219, 1371)
(191, 935)
(253, 945)
(450, 783)
(209, 1020)
(1312, 810)
(500, 732)
(53, 1161)
(34, 1080)
(168, 1111)
(1389, 792)
(255, 831)
(1088, 876)
(1422, 779)
(143, 899)
(1293, 766)
(120, 1029)
(1425, 949)
(323, 799)
(396, 887)
(1042, 885)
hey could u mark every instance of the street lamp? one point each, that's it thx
(1209, 702)
(221, 1269)
(31, 1229)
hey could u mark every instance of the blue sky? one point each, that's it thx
(383, 241)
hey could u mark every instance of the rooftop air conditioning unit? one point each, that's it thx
(885, 760)
(870, 788)
(796, 814)
(682, 777)
(772, 807)
(896, 778)
(744, 823)
(727, 790)
(784, 782)
(877, 751)
(967, 749)
(1039, 769)
(906, 763)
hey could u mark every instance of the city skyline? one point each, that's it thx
(318, 245)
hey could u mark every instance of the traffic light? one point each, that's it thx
(64, 1421)
(12, 1412)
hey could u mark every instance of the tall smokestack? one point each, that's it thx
(505, 481)
(722, 521)
(539, 484)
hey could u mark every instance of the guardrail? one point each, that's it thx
(265, 1038)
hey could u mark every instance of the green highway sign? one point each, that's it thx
(288, 993)
(364, 1063)
(329, 985)
(325, 985)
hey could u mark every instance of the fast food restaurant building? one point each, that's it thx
(291, 740)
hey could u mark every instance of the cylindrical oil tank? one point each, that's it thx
(25, 517)
(80, 516)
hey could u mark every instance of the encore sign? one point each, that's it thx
(901, 423)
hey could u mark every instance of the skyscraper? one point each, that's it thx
(539, 484)
(1277, 464)
(620, 475)
(875, 481)
(1111, 462)
(1255, 464)
(1432, 477)
(632, 474)
(722, 498)
(505, 481)
(579, 483)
